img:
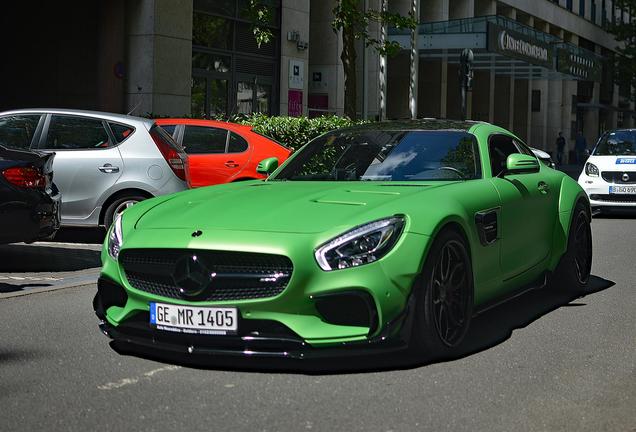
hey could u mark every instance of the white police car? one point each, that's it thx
(609, 175)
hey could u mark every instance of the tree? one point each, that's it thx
(625, 34)
(353, 21)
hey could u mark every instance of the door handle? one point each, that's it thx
(108, 168)
(231, 164)
(543, 187)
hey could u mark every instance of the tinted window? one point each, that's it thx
(377, 155)
(120, 131)
(169, 128)
(200, 139)
(17, 131)
(68, 133)
(500, 147)
(617, 143)
(237, 144)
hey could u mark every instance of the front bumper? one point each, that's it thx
(256, 338)
(597, 190)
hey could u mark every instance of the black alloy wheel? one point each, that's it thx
(449, 293)
(444, 298)
(583, 248)
(573, 272)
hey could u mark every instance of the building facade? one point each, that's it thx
(540, 67)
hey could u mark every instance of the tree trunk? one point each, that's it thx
(348, 57)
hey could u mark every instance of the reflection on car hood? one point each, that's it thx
(301, 207)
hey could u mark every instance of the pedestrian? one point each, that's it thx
(580, 146)
(560, 145)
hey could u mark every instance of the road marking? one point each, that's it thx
(134, 380)
(30, 278)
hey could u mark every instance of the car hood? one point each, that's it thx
(292, 207)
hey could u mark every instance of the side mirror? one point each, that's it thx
(267, 166)
(518, 163)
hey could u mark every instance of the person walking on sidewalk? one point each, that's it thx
(560, 145)
(579, 147)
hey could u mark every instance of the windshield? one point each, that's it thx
(373, 155)
(617, 143)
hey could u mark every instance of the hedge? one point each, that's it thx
(294, 132)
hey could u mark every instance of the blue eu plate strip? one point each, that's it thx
(625, 161)
(153, 313)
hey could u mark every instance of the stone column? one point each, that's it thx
(159, 60)
(294, 17)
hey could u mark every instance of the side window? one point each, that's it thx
(523, 148)
(201, 140)
(76, 133)
(169, 128)
(17, 131)
(237, 144)
(120, 131)
(499, 148)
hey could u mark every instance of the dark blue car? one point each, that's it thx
(29, 201)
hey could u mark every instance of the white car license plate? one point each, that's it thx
(194, 320)
(622, 189)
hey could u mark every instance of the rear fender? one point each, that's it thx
(570, 194)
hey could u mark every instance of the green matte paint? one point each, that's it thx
(293, 218)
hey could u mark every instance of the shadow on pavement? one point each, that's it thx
(487, 330)
(81, 235)
(45, 258)
(9, 288)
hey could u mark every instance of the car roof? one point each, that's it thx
(86, 113)
(203, 122)
(418, 124)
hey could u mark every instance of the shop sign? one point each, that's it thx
(296, 74)
(294, 103)
(518, 45)
(582, 66)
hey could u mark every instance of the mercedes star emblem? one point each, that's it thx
(625, 177)
(191, 276)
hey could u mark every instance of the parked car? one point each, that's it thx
(381, 236)
(222, 152)
(104, 162)
(29, 200)
(609, 174)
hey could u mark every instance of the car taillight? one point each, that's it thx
(176, 160)
(26, 177)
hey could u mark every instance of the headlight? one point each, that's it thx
(362, 245)
(591, 170)
(115, 238)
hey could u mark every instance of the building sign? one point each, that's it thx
(294, 103)
(578, 64)
(296, 74)
(520, 46)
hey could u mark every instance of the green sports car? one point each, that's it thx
(384, 236)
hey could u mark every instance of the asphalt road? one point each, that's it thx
(544, 362)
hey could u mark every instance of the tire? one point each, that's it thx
(119, 205)
(446, 284)
(573, 272)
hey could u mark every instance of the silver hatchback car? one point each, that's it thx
(103, 163)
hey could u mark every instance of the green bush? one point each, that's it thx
(294, 132)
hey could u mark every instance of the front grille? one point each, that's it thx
(614, 198)
(236, 275)
(617, 177)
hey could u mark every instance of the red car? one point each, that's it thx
(221, 152)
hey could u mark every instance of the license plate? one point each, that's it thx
(622, 189)
(194, 320)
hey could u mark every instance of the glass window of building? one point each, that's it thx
(231, 74)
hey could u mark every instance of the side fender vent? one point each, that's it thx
(487, 226)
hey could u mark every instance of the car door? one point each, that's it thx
(528, 208)
(215, 155)
(87, 162)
